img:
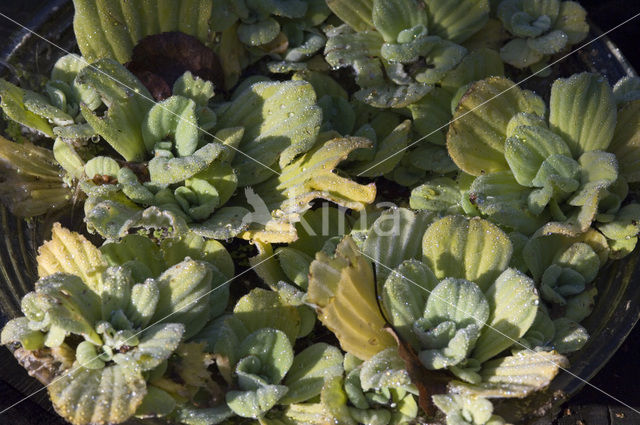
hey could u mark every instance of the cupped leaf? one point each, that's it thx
(457, 20)
(513, 302)
(404, 296)
(108, 395)
(254, 404)
(127, 100)
(111, 30)
(343, 289)
(392, 17)
(392, 239)
(134, 247)
(464, 410)
(280, 120)
(310, 370)
(384, 370)
(165, 170)
(626, 139)
(273, 349)
(357, 14)
(17, 330)
(472, 249)
(388, 153)
(173, 118)
(477, 133)
(459, 301)
(266, 309)
(184, 295)
(157, 343)
(583, 111)
(13, 104)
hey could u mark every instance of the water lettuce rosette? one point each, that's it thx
(107, 329)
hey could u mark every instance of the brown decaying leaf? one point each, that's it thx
(160, 59)
(427, 381)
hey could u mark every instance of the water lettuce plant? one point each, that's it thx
(540, 29)
(114, 320)
(270, 137)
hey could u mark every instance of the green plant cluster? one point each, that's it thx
(427, 235)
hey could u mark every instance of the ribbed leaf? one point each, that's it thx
(98, 396)
(309, 371)
(134, 247)
(266, 309)
(357, 14)
(457, 20)
(583, 112)
(184, 295)
(395, 237)
(111, 28)
(157, 343)
(273, 349)
(515, 376)
(390, 17)
(253, 404)
(128, 102)
(471, 249)
(513, 302)
(17, 330)
(478, 132)
(280, 120)
(343, 288)
(626, 140)
(70, 252)
(13, 105)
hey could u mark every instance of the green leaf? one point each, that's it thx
(569, 336)
(386, 157)
(174, 170)
(17, 330)
(405, 294)
(457, 20)
(172, 119)
(463, 410)
(116, 290)
(572, 21)
(108, 395)
(144, 300)
(310, 370)
(515, 376)
(393, 16)
(184, 295)
(392, 239)
(156, 403)
(157, 343)
(477, 134)
(261, 308)
(273, 349)
(134, 247)
(197, 248)
(87, 356)
(626, 140)
(472, 249)
(357, 14)
(441, 194)
(459, 301)
(110, 29)
(583, 112)
(280, 120)
(261, 32)
(513, 302)
(12, 104)
(128, 102)
(254, 404)
(194, 88)
(384, 370)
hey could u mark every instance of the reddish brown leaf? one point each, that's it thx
(427, 381)
(160, 59)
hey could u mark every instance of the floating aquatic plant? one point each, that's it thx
(400, 48)
(531, 171)
(114, 317)
(540, 29)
